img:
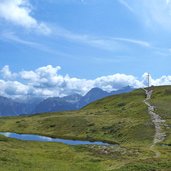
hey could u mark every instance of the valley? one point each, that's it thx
(119, 119)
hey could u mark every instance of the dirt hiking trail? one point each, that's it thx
(157, 121)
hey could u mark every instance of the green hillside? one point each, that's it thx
(121, 119)
(162, 101)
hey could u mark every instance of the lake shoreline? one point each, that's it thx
(65, 140)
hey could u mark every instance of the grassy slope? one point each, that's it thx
(20, 155)
(120, 118)
(162, 100)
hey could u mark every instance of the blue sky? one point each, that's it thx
(88, 39)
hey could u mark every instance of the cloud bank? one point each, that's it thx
(18, 12)
(47, 82)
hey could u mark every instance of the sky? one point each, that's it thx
(60, 47)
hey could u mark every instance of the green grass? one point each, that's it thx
(121, 119)
(147, 165)
(162, 100)
(18, 155)
(22, 155)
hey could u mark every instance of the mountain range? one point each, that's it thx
(10, 107)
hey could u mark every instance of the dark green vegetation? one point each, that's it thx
(121, 119)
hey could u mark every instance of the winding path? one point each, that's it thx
(157, 121)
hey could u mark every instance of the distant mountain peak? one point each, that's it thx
(71, 102)
(96, 90)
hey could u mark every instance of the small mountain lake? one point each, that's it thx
(33, 137)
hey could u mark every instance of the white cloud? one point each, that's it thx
(14, 38)
(125, 4)
(43, 76)
(133, 41)
(6, 73)
(154, 13)
(110, 44)
(18, 12)
(167, 1)
(106, 43)
(15, 88)
(102, 43)
(11, 36)
(29, 75)
(47, 82)
(164, 80)
(117, 81)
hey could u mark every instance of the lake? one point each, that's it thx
(33, 137)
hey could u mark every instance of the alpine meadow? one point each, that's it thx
(85, 85)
